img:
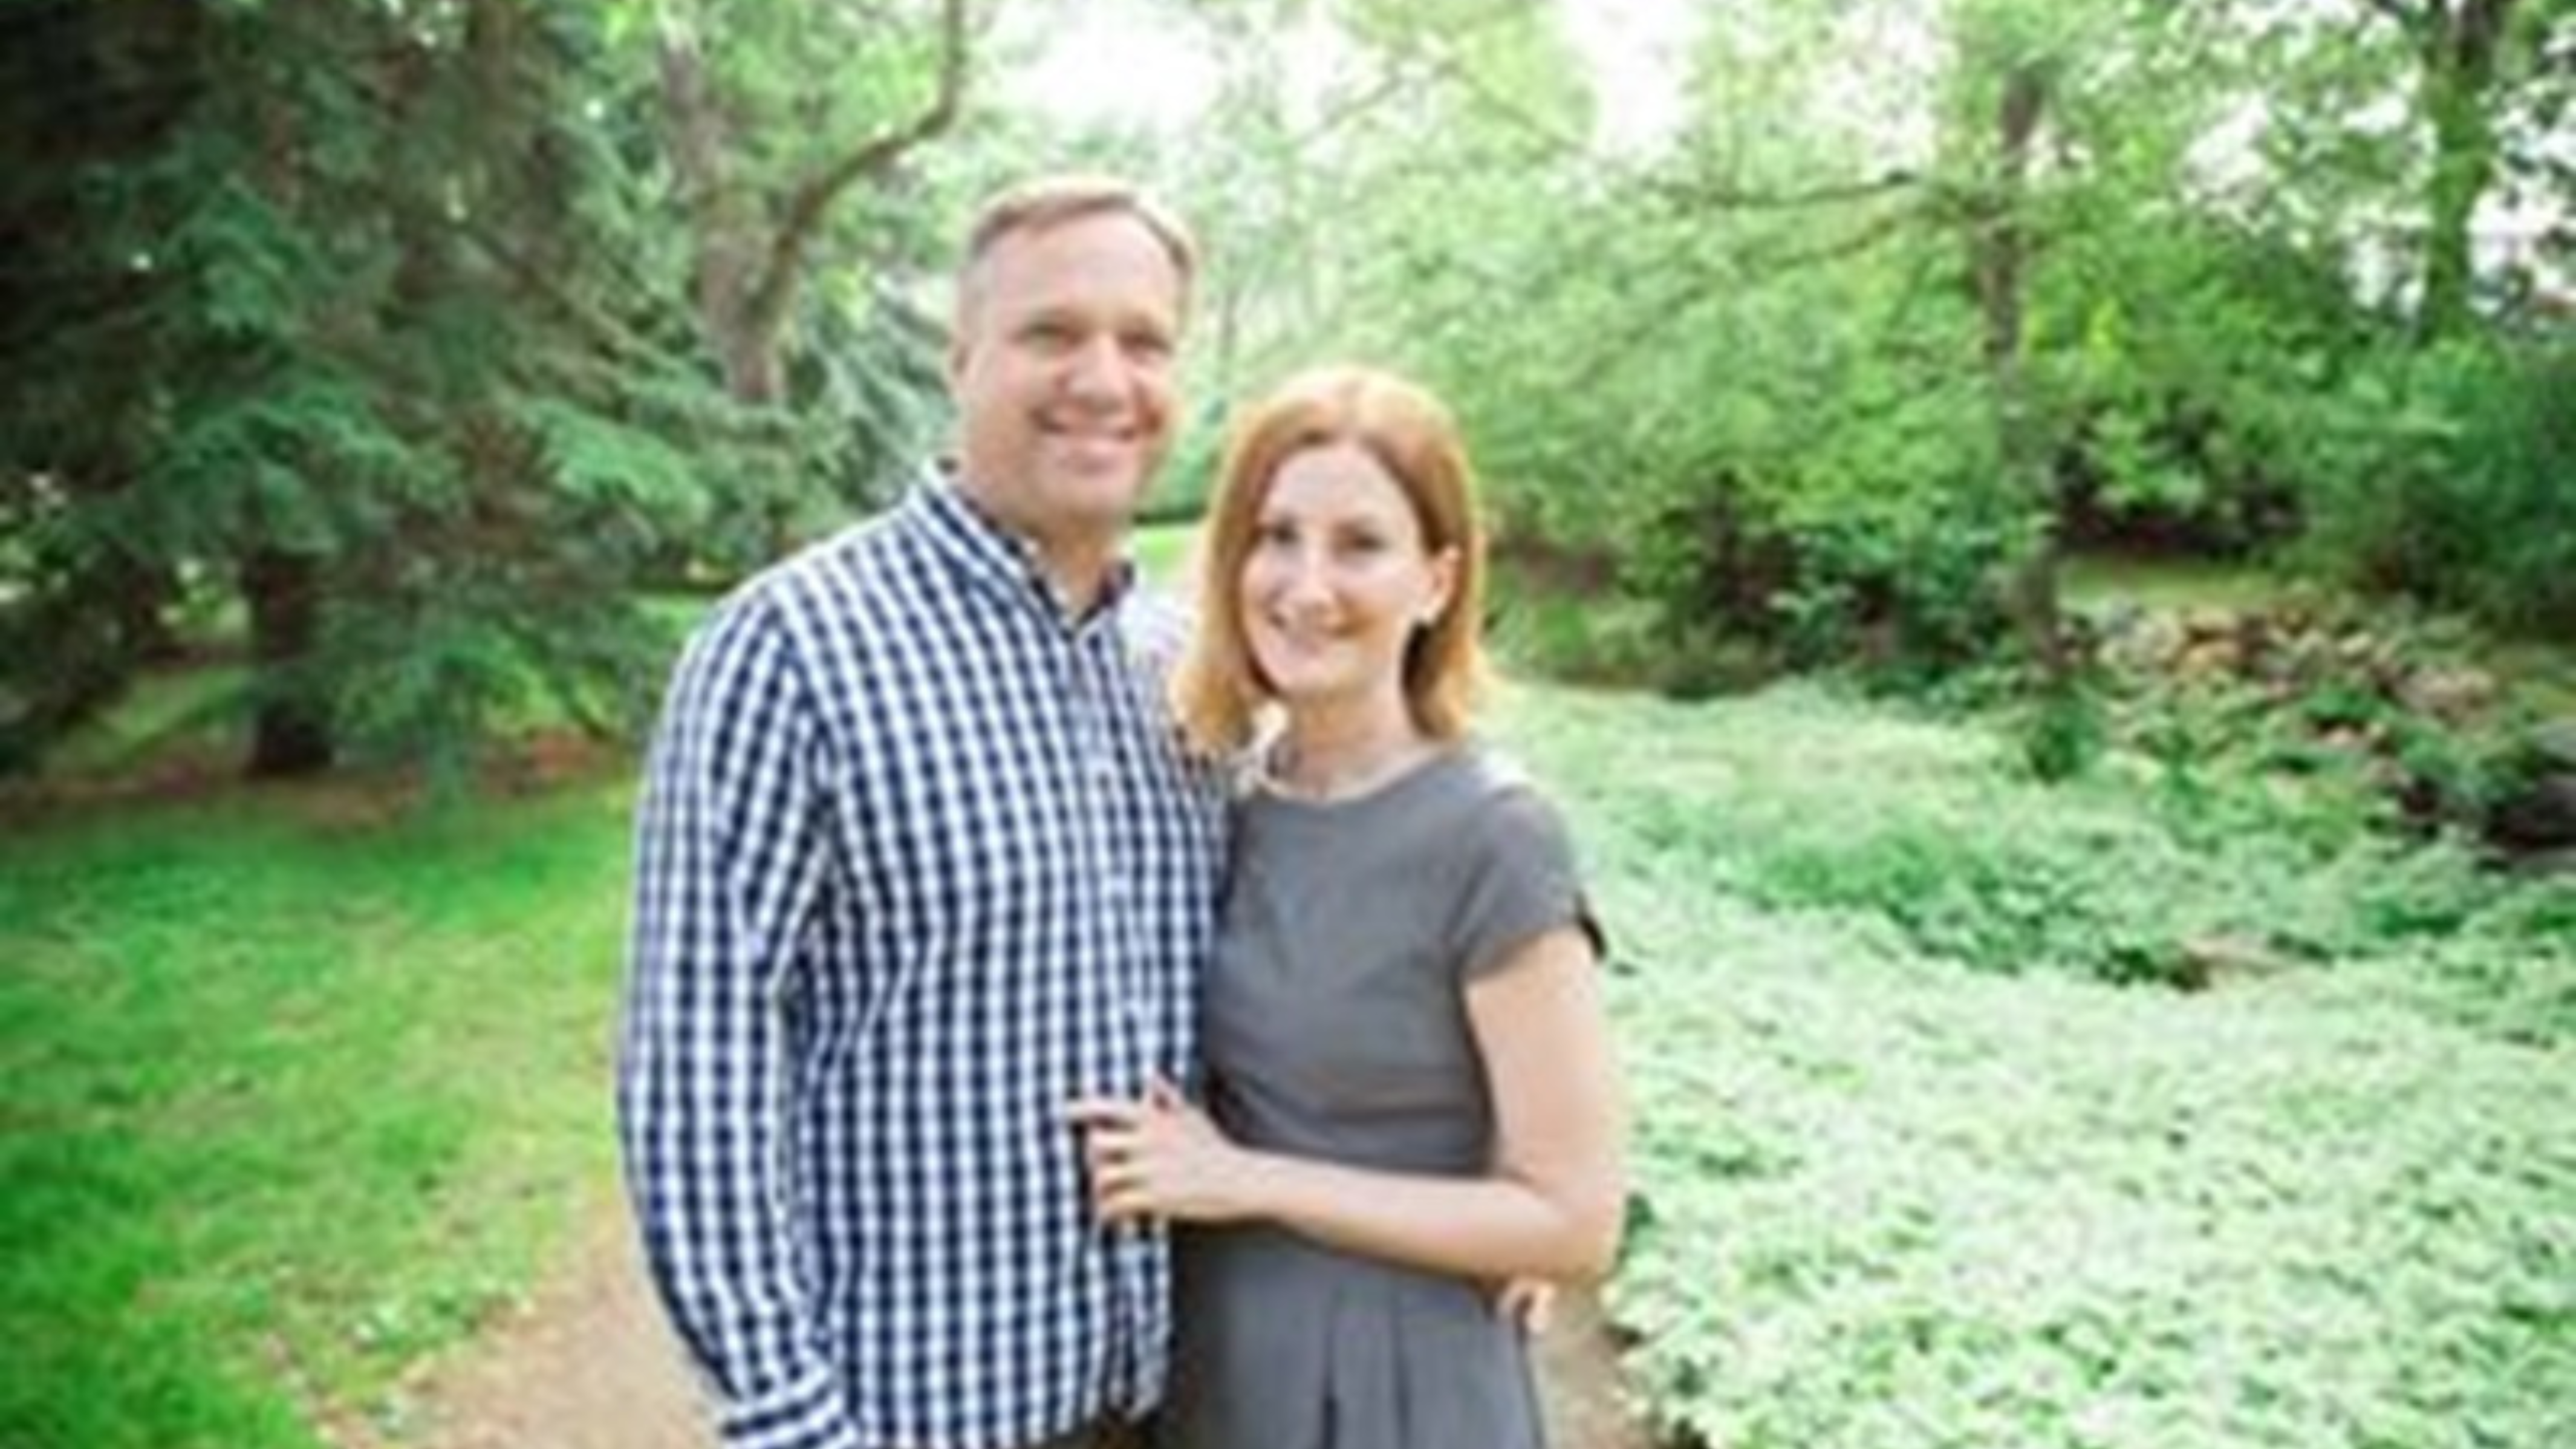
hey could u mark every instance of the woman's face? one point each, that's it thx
(1337, 578)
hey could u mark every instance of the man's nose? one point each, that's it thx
(1096, 366)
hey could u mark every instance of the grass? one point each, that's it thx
(2542, 675)
(299, 1091)
(2169, 583)
(169, 715)
(1913, 1174)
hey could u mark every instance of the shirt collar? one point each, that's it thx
(998, 557)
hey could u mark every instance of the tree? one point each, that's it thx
(766, 146)
(338, 324)
(2466, 54)
(776, 121)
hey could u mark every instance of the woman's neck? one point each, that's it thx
(1340, 755)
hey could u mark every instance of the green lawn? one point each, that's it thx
(302, 1087)
(298, 1090)
(2169, 583)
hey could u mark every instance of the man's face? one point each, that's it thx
(1062, 366)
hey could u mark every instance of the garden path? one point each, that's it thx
(588, 1364)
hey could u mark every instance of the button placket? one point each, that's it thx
(1095, 662)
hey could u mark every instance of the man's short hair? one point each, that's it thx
(1051, 201)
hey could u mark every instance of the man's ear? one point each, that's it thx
(961, 331)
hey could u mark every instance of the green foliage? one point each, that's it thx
(344, 318)
(1753, 365)
(2156, 868)
(868, 388)
(1894, 1210)
(2444, 475)
(1903, 1180)
(2064, 731)
(302, 1089)
(338, 285)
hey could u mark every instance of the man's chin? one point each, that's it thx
(1099, 492)
(1097, 457)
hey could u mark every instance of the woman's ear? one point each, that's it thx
(1444, 587)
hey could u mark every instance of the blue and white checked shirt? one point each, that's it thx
(920, 861)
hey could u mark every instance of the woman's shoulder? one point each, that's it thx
(1497, 785)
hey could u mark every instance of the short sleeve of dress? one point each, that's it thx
(1519, 883)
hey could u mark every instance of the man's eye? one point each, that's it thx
(1151, 345)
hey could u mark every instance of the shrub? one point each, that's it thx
(2444, 475)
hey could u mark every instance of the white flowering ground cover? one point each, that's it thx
(1931, 1151)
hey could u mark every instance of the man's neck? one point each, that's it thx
(1081, 576)
(1080, 570)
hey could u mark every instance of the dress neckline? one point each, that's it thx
(1267, 788)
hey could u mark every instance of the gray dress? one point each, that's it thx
(1334, 1026)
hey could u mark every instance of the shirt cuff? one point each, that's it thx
(805, 1413)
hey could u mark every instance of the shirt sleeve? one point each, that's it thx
(728, 856)
(1520, 883)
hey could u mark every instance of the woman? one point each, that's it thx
(1410, 1076)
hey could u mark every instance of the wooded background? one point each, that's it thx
(414, 345)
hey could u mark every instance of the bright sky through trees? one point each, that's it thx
(1119, 61)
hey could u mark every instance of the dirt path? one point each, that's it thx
(589, 1365)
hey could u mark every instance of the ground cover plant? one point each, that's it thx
(300, 1088)
(1926, 1160)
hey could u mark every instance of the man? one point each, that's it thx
(919, 863)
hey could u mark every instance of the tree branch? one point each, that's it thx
(600, 328)
(1719, 196)
(694, 124)
(1693, 195)
(806, 209)
(2421, 24)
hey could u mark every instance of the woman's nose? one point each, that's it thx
(1306, 575)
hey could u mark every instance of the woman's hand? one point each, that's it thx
(1159, 1157)
(1528, 1304)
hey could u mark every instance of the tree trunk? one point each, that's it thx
(1999, 245)
(725, 216)
(752, 239)
(2459, 44)
(290, 731)
(142, 600)
(749, 265)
